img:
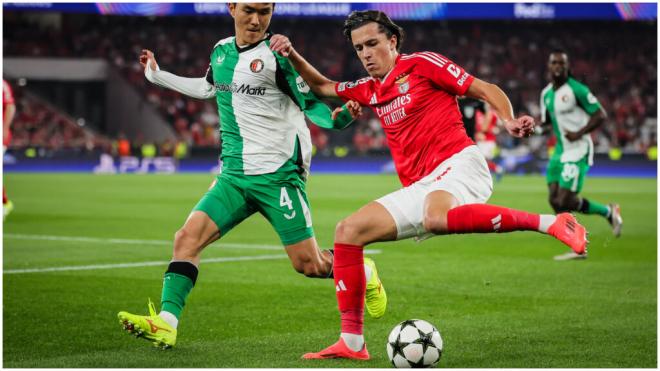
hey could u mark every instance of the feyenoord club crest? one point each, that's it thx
(404, 84)
(256, 65)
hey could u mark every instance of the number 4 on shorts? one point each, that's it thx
(285, 200)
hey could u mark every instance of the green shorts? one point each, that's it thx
(233, 198)
(569, 175)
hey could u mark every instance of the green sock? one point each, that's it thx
(179, 280)
(590, 207)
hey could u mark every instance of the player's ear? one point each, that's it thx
(232, 9)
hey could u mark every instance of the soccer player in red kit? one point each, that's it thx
(446, 181)
(8, 112)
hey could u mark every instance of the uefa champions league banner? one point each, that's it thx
(398, 11)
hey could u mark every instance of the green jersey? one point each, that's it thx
(262, 103)
(569, 109)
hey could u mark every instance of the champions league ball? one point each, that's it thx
(414, 343)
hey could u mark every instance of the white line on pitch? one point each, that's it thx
(140, 264)
(141, 242)
(125, 241)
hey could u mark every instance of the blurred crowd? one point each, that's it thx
(617, 60)
(39, 124)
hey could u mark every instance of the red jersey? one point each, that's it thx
(417, 107)
(7, 99)
(486, 126)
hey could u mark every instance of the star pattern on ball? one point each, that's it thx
(397, 347)
(424, 339)
(410, 322)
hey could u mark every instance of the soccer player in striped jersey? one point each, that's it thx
(266, 153)
(573, 112)
(445, 177)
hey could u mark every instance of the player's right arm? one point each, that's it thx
(319, 84)
(199, 88)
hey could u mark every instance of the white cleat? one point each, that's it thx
(570, 256)
(615, 219)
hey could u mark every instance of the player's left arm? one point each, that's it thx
(520, 127)
(588, 102)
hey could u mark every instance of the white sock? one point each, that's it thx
(353, 341)
(169, 318)
(545, 222)
(367, 272)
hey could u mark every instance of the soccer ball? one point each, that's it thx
(414, 343)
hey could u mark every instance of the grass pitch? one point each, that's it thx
(498, 300)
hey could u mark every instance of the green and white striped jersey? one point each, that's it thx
(262, 104)
(570, 108)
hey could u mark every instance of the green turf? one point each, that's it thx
(498, 300)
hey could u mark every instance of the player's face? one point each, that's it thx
(251, 20)
(376, 52)
(558, 66)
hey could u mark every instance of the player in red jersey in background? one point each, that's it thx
(8, 112)
(485, 136)
(445, 177)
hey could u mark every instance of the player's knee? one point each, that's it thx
(556, 204)
(347, 232)
(565, 203)
(436, 224)
(185, 241)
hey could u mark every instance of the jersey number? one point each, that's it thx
(285, 200)
(453, 70)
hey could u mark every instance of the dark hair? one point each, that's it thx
(359, 18)
(559, 51)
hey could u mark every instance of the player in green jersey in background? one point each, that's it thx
(266, 153)
(574, 112)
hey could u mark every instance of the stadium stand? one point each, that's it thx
(512, 55)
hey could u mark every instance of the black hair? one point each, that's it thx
(559, 51)
(568, 59)
(359, 18)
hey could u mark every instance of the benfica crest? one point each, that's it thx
(404, 84)
(256, 65)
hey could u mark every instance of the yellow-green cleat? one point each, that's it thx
(151, 327)
(376, 298)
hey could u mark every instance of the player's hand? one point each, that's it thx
(522, 127)
(354, 108)
(281, 44)
(147, 57)
(572, 136)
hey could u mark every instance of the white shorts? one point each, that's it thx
(465, 175)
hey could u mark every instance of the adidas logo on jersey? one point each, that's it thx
(373, 99)
(340, 286)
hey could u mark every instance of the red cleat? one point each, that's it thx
(339, 350)
(567, 230)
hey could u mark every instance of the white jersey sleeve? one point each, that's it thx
(193, 87)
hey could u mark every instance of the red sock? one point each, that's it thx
(482, 218)
(351, 285)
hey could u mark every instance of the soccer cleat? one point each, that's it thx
(615, 219)
(570, 256)
(375, 297)
(7, 209)
(339, 350)
(567, 230)
(151, 327)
